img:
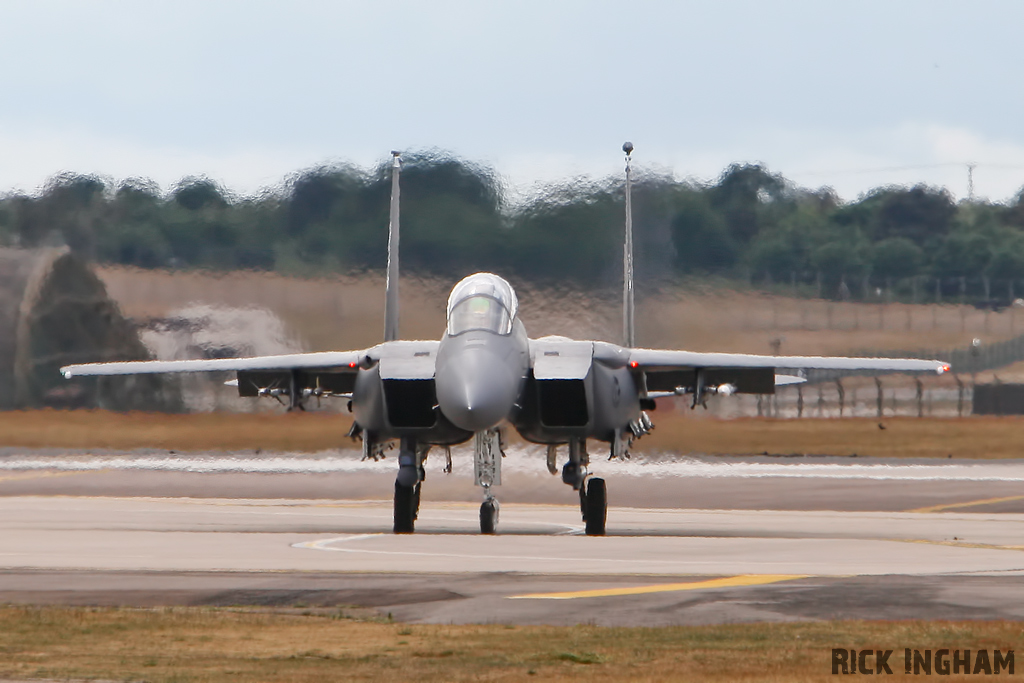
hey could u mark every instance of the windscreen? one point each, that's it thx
(481, 302)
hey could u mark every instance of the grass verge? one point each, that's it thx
(974, 437)
(210, 644)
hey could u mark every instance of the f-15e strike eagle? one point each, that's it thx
(485, 372)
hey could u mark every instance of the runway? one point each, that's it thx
(827, 539)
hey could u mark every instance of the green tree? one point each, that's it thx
(741, 196)
(896, 257)
(69, 210)
(196, 193)
(701, 237)
(962, 254)
(921, 214)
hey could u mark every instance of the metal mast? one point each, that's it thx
(391, 288)
(628, 321)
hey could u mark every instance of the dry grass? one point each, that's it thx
(347, 312)
(86, 429)
(202, 644)
(974, 437)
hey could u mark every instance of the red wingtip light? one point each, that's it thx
(352, 365)
(945, 368)
(633, 364)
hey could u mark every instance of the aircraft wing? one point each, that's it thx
(665, 370)
(291, 361)
(655, 359)
(330, 372)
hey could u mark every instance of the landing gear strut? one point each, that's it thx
(487, 454)
(407, 485)
(574, 472)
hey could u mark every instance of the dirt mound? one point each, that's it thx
(55, 311)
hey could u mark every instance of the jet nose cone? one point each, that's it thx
(476, 391)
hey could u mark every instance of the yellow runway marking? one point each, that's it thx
(968, 504)
(727, 582)
(39, 475)
(958, 544)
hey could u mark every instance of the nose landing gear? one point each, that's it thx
(489, 510)
(488, 451)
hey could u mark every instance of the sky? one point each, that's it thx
(851, 95)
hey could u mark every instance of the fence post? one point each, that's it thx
(878, 387)
(920, 396)
(842, 395)
(959, 396)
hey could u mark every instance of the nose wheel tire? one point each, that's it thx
(488, 516)
(407, 503)
(596, 507)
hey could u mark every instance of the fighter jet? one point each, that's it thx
(486, 373)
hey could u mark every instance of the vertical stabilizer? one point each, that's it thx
(391, 289)
(628, 322)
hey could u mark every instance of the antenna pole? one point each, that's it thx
(970, 181)
(391, 288)
(628, 321)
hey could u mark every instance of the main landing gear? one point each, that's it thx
(593, 491)
(407, 508)
(594, 504)
(407, 485)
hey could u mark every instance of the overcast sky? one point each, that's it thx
(828, 93)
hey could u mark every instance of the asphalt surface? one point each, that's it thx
(691, 541)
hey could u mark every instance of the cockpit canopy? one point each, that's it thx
(482, 301)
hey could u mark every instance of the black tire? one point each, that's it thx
(488, 517)
(583, 502)
(405, 509)
(597, 507)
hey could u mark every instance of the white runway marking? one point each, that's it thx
(329, 544)
(529, 460)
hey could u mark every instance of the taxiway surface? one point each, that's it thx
(765, 539)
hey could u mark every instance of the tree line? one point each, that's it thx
(749, 224)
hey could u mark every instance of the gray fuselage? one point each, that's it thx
(475, 379)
